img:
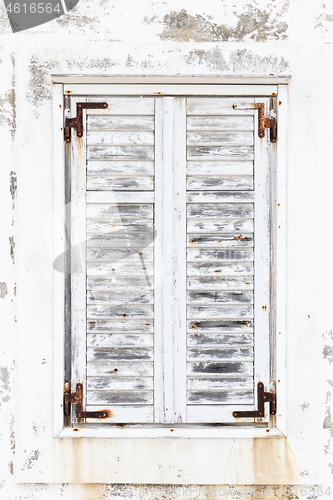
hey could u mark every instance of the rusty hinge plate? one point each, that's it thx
(263, 397)
(77, 122)
(76, 398)
(263, 122)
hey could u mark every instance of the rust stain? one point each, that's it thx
(157, 93)
(278, 204)
(68, 91)
(264, 308)
(60, 107)
(280, 102)
(194, 324)
(76, 430)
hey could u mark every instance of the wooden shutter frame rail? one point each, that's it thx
(77, 399)
(77, 122)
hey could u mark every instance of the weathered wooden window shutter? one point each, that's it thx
(170, 267)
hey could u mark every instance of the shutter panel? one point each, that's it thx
(118, 149)
(173, 329)
(224, 194)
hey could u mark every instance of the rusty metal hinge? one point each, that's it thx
(76, 398)
(263, 397)
(263, 122)
(77, 122)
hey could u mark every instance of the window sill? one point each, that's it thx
(162, 433)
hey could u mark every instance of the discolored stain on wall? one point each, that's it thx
(252, 24)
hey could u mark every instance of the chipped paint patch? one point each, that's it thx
(39, 90)
(4, 377)
(38, 428)
(328, 422)
(12, 436)
(13, 187)
(323, 23)
(78, 22)
(328, 353)
(12, 248)
(252, 24)
(87, 63)
(3, 290)
(305, 406)
(11, 468)
(245, 61)
(213, 59)
(5, 382)
(31, 459)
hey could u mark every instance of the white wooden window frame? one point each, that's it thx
(187, 86)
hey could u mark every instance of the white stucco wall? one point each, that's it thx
(162, 38)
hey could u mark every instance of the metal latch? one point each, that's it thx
(77, 122)
(263, 122)
(76, 398)
(263, 397)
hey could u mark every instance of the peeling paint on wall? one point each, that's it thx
(328, 422)
(323, 22)
(5, 388)
(213, 59)
(251, 24)
(87, 63)
(75, 20)
(8, 105)
(3, 290)
(13, 187)
(12, 248)
(328, 353)
(239, 61)
(245, 61)
(31, 459)
(39, 88)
